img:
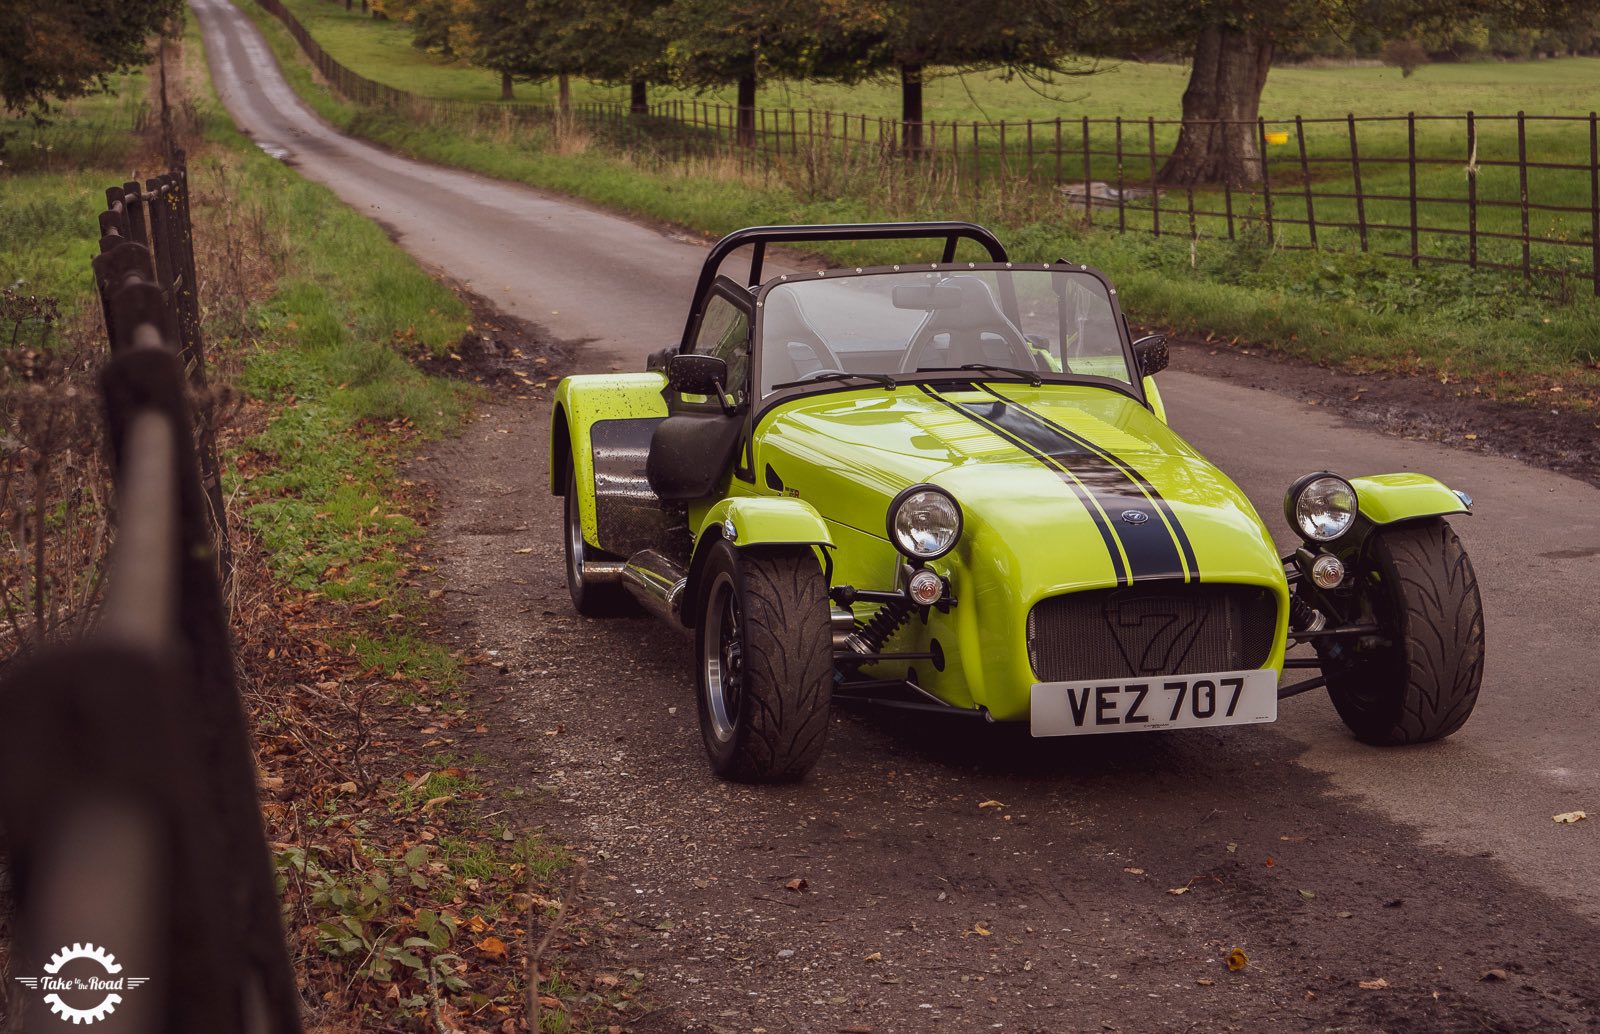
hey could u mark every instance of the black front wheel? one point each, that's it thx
(1421, 682)
(765, 662)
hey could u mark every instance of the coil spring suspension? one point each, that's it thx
(876, 630)
(1303, 617)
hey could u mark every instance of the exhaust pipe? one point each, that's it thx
(657, 582)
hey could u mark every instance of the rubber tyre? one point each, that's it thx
(1422, 591)
(764, 707)
(590, 599)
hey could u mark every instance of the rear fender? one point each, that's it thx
(626, 405)
(748, 521)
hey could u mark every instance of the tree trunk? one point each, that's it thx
(505, 87)
(563, 93)
(640, 101)
(911, 110)
(1219, 140)
(747, 110)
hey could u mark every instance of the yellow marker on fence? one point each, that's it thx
(1277, 138)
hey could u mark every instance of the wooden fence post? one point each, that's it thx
(1522, 182)
(1472, 190)
(1305, 180)
(1088, 179)
(1122, 211)
(1594, 197)
(1266, 179)
(1155, 190)
(1355, 174)
(1411, 173)
(1058, 150)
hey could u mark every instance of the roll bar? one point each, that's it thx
(758, 237)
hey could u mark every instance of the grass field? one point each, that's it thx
(1355, 310)
(1566, 87)
(382, 50)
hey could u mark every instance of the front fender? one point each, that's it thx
(1389, 498)
(751, 521)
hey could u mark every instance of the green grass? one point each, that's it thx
(1347, 309)
(53, 180)
(1134, 90)
(320, 484)
(382, 50)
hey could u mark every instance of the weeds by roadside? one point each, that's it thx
(415, 892)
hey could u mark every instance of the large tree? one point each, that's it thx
(717, 42)
(916, 39)
(616, 41)
(1231, 45)
(52, 50)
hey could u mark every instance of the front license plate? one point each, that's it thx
(1143, 705)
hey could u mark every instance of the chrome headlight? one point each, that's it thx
(924, 522)
(1321, 506)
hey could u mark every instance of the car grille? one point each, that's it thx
(1151, 629)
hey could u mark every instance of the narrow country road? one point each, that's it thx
(1331, 863)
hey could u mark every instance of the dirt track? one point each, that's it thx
(1459, 834)
(925, 910)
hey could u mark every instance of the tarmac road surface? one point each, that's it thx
(1461, 831)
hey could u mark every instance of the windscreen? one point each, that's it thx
(1055, 322)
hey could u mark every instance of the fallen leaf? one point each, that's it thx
(1567, 817)
(525, 549)
(1177, 890)
(796, 884)
(1233, 848)
(1131, 871)
(876, 956)
(1236, 960)
(1205, 982)
(1308, 894)
(1470, 438)
(1292, 839)
(1494, 974)
(990, 804)
(1374, 985)
(981, 930)
(476, 925)
(549, 1002)
(1270, 862)
(493, 947)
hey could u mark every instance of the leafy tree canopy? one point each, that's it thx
(51, 50)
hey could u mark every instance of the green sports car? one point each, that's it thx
(950, 485)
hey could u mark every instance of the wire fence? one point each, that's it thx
(127, 780)
(1511, 192)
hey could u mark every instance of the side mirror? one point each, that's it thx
(695, 374)
(659, 359)
(1151, 354)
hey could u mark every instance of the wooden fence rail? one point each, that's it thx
(1453, 189)
(127, 780)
